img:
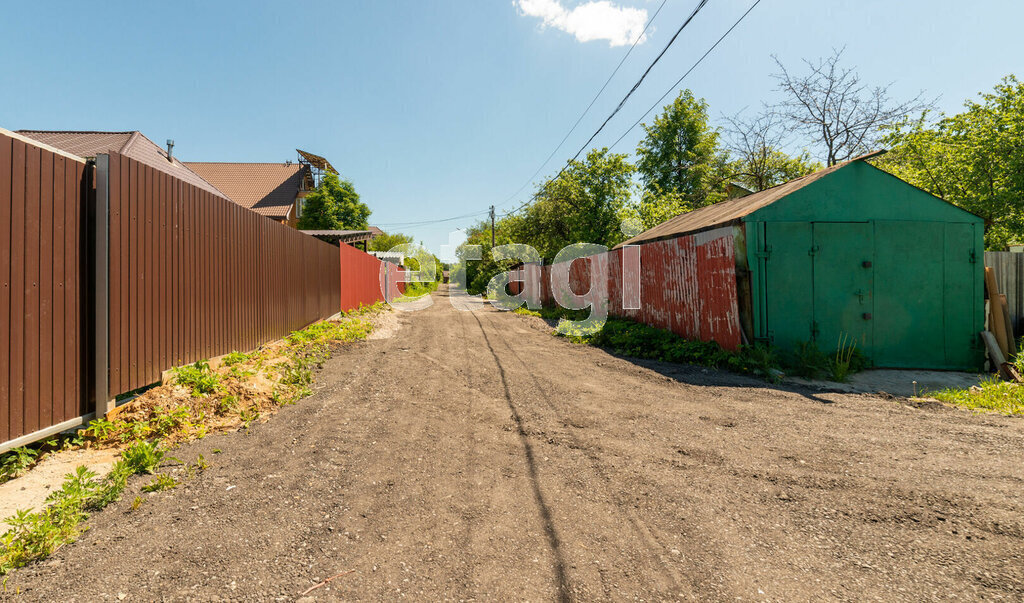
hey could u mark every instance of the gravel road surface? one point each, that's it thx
(473, 456)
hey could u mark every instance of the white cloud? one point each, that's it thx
(593, 20)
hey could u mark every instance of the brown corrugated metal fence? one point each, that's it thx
(41, 238)
(193, 275)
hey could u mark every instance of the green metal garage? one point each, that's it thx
(852, 250)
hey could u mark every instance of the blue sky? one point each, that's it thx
(441, 108)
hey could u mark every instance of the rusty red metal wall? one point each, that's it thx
(687, 286)
(42, 197)
(193, 275)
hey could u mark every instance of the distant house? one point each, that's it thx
(132, 144)
(274, 190)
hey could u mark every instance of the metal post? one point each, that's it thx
(101, 287)
(492, 226)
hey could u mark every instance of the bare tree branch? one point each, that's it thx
(831, 106)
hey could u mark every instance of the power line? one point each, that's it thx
(688, 71)
(425, 222)
(635, 124)
(585, 111)
(700, 5)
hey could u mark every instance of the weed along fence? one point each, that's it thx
(115, 272)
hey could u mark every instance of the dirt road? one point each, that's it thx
(475, 456)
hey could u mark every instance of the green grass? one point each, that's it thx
(993, 395)
(416, 290)
(34, 535)
(161, 482)
(354, 329)
(234, 358)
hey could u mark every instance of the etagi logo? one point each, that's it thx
(622, 265)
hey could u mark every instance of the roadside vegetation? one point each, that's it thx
(991, 395)
(241, 389)
(630, 338)
(638, 340)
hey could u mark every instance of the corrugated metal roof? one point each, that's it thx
(266, 188)
(133, 144)
(727, 212)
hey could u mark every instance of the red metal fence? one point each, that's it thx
(191, 275)
(687, 285)
(364, 279)
(41, 236)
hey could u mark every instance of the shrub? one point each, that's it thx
(198, 378)
(16, 461)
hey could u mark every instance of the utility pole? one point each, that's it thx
(492, 226)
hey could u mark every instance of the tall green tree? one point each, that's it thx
(680, 153)
(583, 204)
(334, 205)
(387, 241)
(974, 159)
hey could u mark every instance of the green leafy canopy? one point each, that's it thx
(334, 205)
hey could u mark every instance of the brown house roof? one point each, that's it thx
(727, 212)
(266, 188)
(131, 144)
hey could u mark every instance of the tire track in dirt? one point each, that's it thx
(563, 587)
(656, 549)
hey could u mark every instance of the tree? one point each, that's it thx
(680, 153)
(652, 209)
(387, 241)
(833, 108)
(759, 161)
(334, 205)
(582, 204)
(974, 159)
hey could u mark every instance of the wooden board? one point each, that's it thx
(996, 323)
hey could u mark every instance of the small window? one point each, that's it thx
(298, 207)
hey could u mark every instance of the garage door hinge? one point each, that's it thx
(813, 250)
(766, 252)
(814, 329)
(974, 257)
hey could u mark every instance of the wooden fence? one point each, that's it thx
(189, 275)
(1009, 269)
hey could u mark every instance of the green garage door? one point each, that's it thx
(843, 302)
(788, 283)
(963, 297)
(909, 289)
